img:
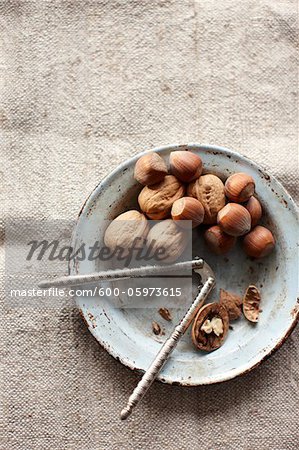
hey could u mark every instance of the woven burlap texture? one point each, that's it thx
(85, 85)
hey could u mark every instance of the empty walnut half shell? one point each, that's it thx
(251, 303)
(210, 327)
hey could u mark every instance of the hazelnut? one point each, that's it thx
(125, 229)
(232, 303)
(218, 241)
(255, 210)
(150, 169)
(251, 303)
(259, 242)
(210, 327)
(209, 190)
(156, 200)
(239, 187)
(187, 208)
(234, 219)
(169, 239)
(185, 165)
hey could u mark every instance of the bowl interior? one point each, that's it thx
(127, 333)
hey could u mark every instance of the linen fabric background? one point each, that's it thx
(85, 85)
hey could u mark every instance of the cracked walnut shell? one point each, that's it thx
(156, 200)
(165, 313)
(210, 327)
(209, 190)
(232, 303)
(251, 303)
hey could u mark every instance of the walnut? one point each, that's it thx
(215, 325)
(232, 303)
(156, 200)
(167, 238)
(125, 230)
(251, 303)
(209, 190)
(210, 327)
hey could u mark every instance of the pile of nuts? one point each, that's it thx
(230, 209)
(227, 210)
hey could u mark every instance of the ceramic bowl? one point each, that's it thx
(127, 334)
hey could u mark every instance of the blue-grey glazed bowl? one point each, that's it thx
(127, 334)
